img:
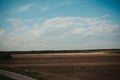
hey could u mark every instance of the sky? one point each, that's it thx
(59, 24)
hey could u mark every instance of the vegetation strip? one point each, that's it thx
(2, 77)
(15, 75)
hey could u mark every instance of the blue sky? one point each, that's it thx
(59, 24)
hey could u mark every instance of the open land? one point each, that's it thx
(66, 66)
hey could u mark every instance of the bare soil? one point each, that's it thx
(68, 66)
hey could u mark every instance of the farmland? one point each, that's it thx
(66, 66)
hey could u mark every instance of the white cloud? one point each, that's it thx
(61, 33)
(14, 22)
(24, 8)
(44, 9)
(80, 26)
(104, 16)
(37, 30)
(19, 24)
(1, 32)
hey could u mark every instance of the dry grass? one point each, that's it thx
(64, 66)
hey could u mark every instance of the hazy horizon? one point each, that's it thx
(28, 25)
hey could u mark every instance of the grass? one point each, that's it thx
(24, 72)
(5, 78)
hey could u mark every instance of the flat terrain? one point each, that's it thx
(67, 66)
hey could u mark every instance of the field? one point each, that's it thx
(66, 66)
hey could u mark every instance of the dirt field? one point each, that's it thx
(68, 66)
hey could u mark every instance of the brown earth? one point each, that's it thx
(68, 66)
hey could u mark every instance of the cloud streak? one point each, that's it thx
(24, 8)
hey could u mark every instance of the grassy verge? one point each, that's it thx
(23, 72)
(5, 78)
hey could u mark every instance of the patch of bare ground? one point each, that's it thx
(68, 66)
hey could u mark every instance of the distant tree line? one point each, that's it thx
(60, 51)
